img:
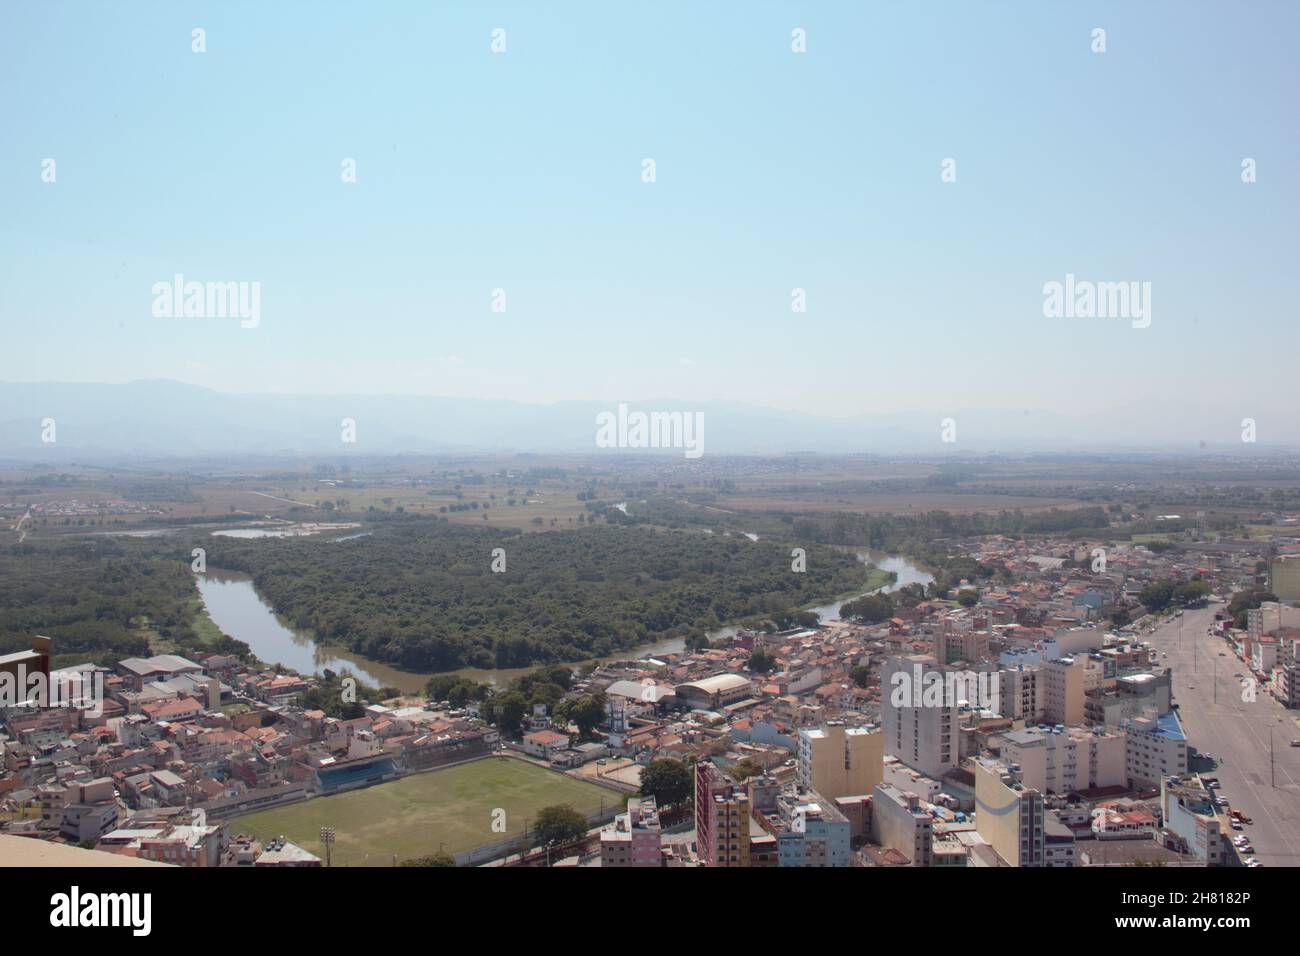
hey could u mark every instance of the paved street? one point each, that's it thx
(1236, 733)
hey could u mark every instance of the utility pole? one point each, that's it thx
(1272, 769)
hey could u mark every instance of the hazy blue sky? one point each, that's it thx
(775, 170)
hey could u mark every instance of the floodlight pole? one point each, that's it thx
(327, 837)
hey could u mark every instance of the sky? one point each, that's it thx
(775, 170)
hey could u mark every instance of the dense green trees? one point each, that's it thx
(761, 662)
(587, 712)
(1157, 595)
(559, 824)
(99, 598)
(422, 595)
(1162, 594)
(669, 781)
(868, 609)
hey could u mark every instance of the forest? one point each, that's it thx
(423, 595)
(100, 598)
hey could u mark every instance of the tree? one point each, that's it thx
(510, 710)
(860, 675)
(1247, 600)
(869, 609)
(437, 859)
(669, 781)
(1192, 593)
(1157, 595)
(559, 824)
(746, 768)
(910, 595)
(761, 662)
(548, 694)
(588, 712)
(967, 597)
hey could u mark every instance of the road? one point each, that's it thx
(18, 526)
(1237, 733)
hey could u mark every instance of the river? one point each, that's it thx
(236, 607)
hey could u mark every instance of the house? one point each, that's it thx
(545, 743)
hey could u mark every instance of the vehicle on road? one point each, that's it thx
(1295, 743)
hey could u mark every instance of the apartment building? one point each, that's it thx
(1066, 760)
(1156, 748)
(721, 818)
(899, 822)
(920, 734)
(1188, 811)
(839, 761)
(1063, 691)
(1009, 815)
(634, 839)
(955, 643)
(1058, 843)
(1020, 693)
(1284, 576)
(810, 830)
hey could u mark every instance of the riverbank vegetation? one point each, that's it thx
(423, 595)
(102, 599)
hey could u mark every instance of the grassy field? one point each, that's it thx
(414, 816)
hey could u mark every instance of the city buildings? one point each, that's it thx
(634, 838)
(1009, 815)
(1065, 759)
(721, 818)
(899, 822)
(1188, 811)
(1155, 749)
(839, 761)
(920, 734)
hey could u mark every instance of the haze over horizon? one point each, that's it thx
(162, 417)
(776, 171)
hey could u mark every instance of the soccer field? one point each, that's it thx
(414, 816)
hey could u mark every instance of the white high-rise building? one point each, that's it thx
(920, 731)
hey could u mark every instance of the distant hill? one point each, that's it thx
(172, 419)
